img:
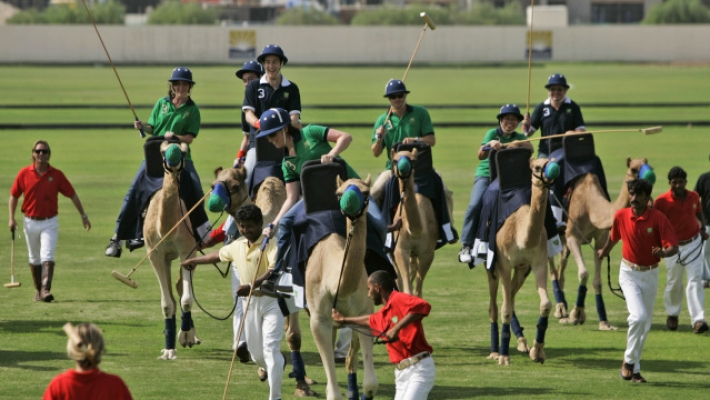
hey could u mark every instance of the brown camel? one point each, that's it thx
(416, 242)
(324, 283)
(590, 219)
(164, 211)
(269, 197)
(521, 248)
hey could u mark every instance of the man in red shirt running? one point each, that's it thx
(399, 321)
(682, 207)
(648, 236)
(41, 184)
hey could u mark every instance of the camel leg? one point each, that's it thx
(517, 283)
(578, 315)
(604, 324)
(555, 274)
(187, 336)
(370, 384)
(493, 316)
(167, 302)
(537, 352)
(351, 363)
(322, 329)
(293, 338)
(422, 264)
(404, 280)
(507, 307)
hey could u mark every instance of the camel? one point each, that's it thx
(416, 243)
(521, 248)
(324, 283)
(164, 211)
(269, 197)
(590, 218)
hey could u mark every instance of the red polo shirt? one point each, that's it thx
(41, 192)
(681, 213)
(641, 234)
(411, 340)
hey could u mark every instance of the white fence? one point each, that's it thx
(351, 45)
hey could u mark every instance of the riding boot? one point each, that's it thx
(37, 278)
(47, 273)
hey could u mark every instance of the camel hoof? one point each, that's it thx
(302, 390)
(578, 316)
(537, 352)
(310, 381)
(523, 345)
(188, 339)
(504, 360)
(263, 375)
(606, 326)
(168, 354)
(560, 311)
(493, 356)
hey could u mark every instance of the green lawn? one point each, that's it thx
(582, 362)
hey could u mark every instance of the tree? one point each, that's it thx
(678, 12)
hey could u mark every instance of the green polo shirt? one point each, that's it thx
(415, 122)
(311, 146)
(179, 120)
(495, 134)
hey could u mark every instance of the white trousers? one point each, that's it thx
(640, 291)
(706, 257)
(416, 381)
(264, 326)
(342, 346)
(238, 310)
(690, 255)
(41, 237)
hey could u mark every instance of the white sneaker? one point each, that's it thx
(465, 254)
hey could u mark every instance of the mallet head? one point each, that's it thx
(428, 20)
(12, 285)
(126, 280)
(652, 130)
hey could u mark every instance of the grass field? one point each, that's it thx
(582, 362)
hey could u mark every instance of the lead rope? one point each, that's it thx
(342, 265)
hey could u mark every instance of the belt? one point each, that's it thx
(39, 218)
(257, 293)
(408, 362)
(636, 267)
(684, 242)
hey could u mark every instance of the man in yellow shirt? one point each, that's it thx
(264, 322)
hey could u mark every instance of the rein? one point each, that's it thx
(342, 266)
(377, 339)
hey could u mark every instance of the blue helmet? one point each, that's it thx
(395, 86)
(250, 66)
(272, 50)
(181, 74)
(510, 109)
(556, 79)
(272, 120)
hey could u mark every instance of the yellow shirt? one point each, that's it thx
(246, 257)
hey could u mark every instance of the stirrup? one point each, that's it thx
(134, 244)
(114, 248)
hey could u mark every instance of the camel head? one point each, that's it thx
(402, 163)
(173, 156)
(544, 172)
(639, 168)
(229, 192)
(353, 196)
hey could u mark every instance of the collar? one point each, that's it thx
(499, 132)
(49, 167)
(265, 81)
(643, 217)
(566, 100)
(408, 109)
(189, 101)
(673, 196)
(244, 240)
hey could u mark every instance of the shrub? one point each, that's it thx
(484, 13)
(111, 12)
(173, 12)
(304, 16)
(678, 12)
(389, 15)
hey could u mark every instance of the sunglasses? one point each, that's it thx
(42, 151)
(557, 89)
(396, 96)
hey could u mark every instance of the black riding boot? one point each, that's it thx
(37, 278)
(47, 273)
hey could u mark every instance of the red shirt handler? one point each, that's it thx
(41, 184)
(683, 209)
(648, 236)
(399, 321)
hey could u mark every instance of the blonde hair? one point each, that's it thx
(44, 142)
(85, 344)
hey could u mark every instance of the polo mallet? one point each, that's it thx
(647, 131)
(12, 283)
(526, 127)
(91, 17)
(428, 23)
(244, 315)
(127, 278)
